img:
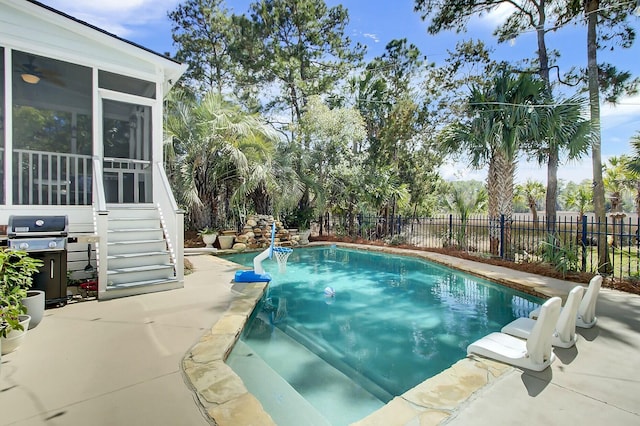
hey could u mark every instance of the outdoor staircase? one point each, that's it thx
(138, 260)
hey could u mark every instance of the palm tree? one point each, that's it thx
(633, 166)
(531, 192)
(616, 182)
(464, 202)
(381, 186)
(272, 186)
(580, 197)
(500, 125)
(561, 128)
(211, 142)
(371, 99)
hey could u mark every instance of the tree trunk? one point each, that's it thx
(552, 188)
(261, 199)
(591, 10)
(492, 205)
(351, 216)
(392, 225)
(552, 166)
(506, 170)
(534, 212)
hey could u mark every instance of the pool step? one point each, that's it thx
(301, 335)
(340, 399)
(282, 402)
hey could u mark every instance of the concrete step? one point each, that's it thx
(138, 287)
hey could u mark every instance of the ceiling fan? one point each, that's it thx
(32, 73)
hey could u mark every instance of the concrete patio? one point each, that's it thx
(157, 359)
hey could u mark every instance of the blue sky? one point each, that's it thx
(376, 22)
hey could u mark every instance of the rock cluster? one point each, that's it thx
(256, 234)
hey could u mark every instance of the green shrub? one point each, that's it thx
(397, 240)
(16, 277)
(563, 257)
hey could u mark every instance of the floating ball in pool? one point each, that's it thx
(329, 291)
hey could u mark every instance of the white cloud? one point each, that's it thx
(371, 36)
(459, 170)
(627, 110)
(575, 171)
(497, 16)
(120, 17)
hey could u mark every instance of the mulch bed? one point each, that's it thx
(192, 240)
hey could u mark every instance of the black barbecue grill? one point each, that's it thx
(44, 238)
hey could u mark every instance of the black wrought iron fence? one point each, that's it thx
(574, 245)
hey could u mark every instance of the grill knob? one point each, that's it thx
(52, 244)
(23, 246)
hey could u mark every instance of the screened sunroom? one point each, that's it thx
(81, 135)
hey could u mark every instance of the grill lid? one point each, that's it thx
(37, 226)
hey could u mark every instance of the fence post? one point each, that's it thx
(584, 243)
(450, 228)
(399, 226)
(502, 236)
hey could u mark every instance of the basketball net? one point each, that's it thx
(282, 254)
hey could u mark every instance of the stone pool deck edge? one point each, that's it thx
(226, 401)
(221, 393)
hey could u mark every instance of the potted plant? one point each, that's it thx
(208, 236)
(16, 276)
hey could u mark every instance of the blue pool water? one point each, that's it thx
(394, 321)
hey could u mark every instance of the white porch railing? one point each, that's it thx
(101, 225)
(51, 178)
(172, 219)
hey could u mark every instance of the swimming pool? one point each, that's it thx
(394, 321)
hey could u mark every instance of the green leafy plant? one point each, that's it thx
(397, 240)
(207, 231)
(16, 277)
(301, 218)
(563, 257)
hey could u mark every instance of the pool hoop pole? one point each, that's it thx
(268, 253)
(258, 274)
(273, 239)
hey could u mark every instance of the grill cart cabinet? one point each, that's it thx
(44, 238)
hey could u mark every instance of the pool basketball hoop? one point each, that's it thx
(282, 254)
